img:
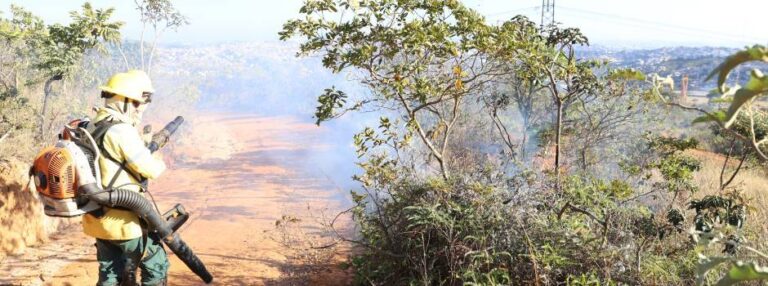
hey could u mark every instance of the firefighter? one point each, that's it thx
(122, 242)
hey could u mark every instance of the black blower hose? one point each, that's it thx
(139, 205)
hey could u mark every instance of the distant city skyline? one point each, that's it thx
(622, 24)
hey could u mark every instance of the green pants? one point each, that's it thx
(118, 257)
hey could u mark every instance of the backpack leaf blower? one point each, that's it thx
(67, 177)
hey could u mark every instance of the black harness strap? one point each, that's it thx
(98, 130)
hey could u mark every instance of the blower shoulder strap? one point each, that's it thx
(98, 130)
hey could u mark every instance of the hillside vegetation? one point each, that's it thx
(505, 155)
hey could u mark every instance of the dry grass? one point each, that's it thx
(751, 181)
(313, 248)
(22, 222)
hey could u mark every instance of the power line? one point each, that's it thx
(666, 26)
(669, 30)
(636, 23)
(512, 11)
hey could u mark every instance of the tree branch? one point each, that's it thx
(725, 164)
(122, 53)
(738, 168)
(568, 206)
(423, 136)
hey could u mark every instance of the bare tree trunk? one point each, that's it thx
(122, 53)
(503, 133)
(141, 44)
(559, 129)
(522, 143)
(47, 89)
(526, 126)
(153, 50)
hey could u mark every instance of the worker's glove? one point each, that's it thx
(160, 138)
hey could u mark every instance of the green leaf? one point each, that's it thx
(755, 53)
(719, 115)
(328, 102)
(721, 100)
(705, 265)
(626, 74)
(744, 272)
(757, 84)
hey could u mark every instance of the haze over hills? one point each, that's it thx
(231, 74)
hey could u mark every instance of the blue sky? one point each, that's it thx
(648, 23)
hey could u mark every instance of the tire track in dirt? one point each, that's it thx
(255, 205)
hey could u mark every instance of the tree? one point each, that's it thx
(19, 35)
(161, 15)
(421, 59)
(62, 47)
(566, 78)
(519, 86)
(606, 117)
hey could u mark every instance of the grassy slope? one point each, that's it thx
(752, 181)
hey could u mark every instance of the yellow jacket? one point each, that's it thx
(124, 144)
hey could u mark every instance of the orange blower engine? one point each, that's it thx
(55, 172)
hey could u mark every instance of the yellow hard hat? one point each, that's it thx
(125, 85)
(141, 76)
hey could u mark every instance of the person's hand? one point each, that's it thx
(160, 138)
(146, 134)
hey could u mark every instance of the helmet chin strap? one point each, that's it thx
(125, 106)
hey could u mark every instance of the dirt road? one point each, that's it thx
(258, 210)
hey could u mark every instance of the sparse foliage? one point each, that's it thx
(161, 16)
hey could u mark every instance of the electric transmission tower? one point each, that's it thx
(547, 13)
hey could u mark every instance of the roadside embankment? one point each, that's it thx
(24, 229)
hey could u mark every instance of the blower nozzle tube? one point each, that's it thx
(161, 138)
(139, 205)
